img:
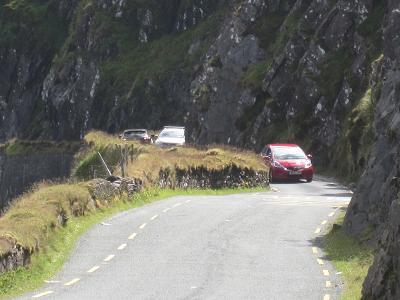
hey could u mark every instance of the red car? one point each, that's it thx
(287, 161)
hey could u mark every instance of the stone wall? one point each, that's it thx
(19, 173)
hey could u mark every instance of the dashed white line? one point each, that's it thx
(132, 236)
(315, 250)
(52, 281)
(328, 284)
(188, 201)
(94, 269)
(318, 230)
(122, 247)
(153, 217)
(143, 225)
(167, 209)
(108, 258)
(324, 222)
(320, 261)
(325, 272)
(43, 294)
(176, 205)
(327, 297)
(331, 214)
(72, 282)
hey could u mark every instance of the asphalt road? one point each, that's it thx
(244, 246)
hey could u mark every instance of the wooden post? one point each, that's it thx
(104, 164)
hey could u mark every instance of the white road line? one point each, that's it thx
(153, 217)
(167, 209)
(315, 250)
(122, 246)
(94, 269)
(52, 281)
(188, 201)
(327, 297)
(108, 258)
(132, 236)
(318, 230)
(324, 222)
(320, 261)
(176, 205)
(331, 214)
(73, 281)
(143, 225)
(43, 294)
(328, 284)
(325, 272)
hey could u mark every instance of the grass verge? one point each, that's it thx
(53, 254)
(348, 256)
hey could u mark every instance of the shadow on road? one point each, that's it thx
(340, 195)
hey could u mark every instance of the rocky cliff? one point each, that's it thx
(322, 73)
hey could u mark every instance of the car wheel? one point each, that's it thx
(309, 179)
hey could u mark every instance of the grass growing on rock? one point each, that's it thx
(57, 242)
(350, 257)
(30, 219)
(147, 160)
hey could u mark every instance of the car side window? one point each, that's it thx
(264, 151)
(269, 152)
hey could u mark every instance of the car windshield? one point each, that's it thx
(173, 133)
(135, 132)
(284, 153)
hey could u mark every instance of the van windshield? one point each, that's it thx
(173, 133)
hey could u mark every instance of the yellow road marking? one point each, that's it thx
(331, 214)
(318, 230)
(324, 222)
(132, 236)
(73, 281)
(122, 246)
(327, 297)
(43, 294)
(176, 205)
(94, 269)
(328, 284)
(108, 258)
(143, 225)
(315, 250)
(167, 209)
(154, 217)
(320, 261)
(325, 272)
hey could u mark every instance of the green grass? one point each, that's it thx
(46, 263)
(350, 257)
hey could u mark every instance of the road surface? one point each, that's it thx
(244, 246)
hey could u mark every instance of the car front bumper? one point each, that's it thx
(280, 174)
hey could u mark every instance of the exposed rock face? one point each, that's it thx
(15, 258)
(383, 280)
(375, 209)
(378, 187)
